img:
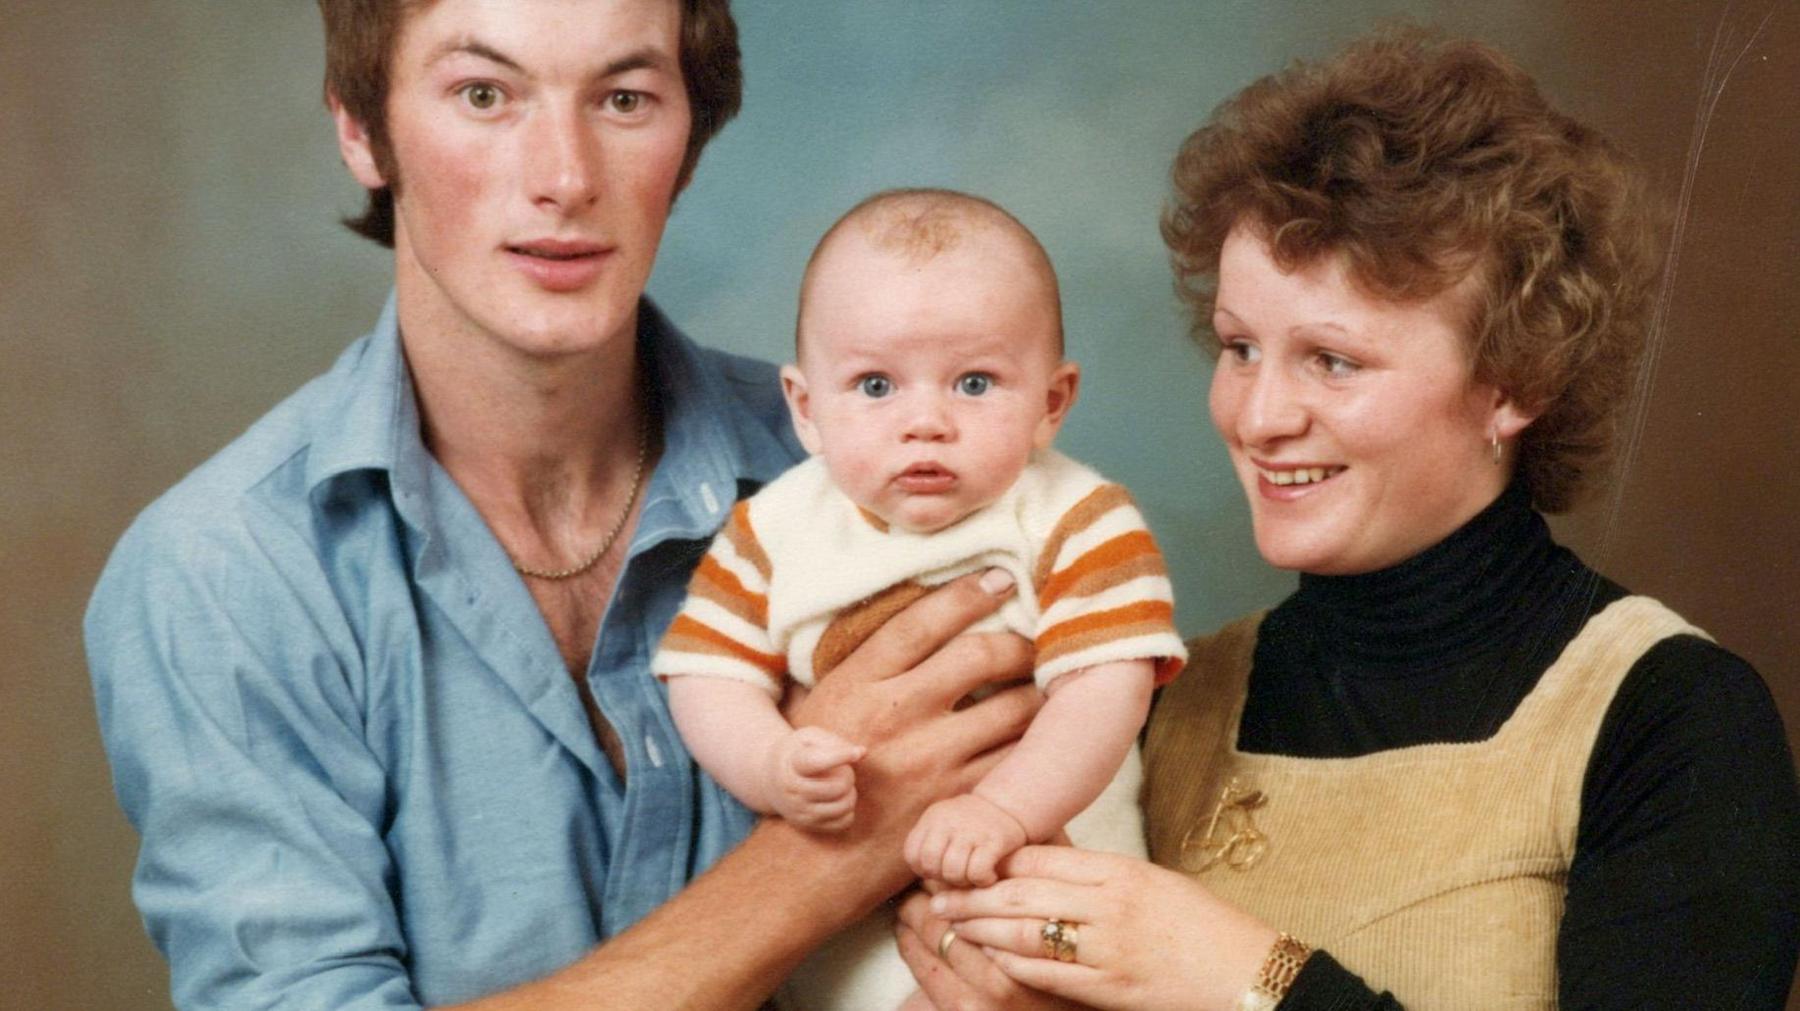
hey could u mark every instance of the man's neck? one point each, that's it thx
(538, 442)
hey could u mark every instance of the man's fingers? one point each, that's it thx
(975, 661)
(927, 624)
(997, 720)
(935, 978)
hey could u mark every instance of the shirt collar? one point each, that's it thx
(713, 440)
(710, 445)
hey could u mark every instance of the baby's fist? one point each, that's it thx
(960, 840)
(813, 784)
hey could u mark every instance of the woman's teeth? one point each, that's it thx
(1303, 475)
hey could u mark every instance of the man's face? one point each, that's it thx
(538, 145)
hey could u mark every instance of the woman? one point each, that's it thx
(1456, 768)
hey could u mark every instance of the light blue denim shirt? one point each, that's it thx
(362, 775)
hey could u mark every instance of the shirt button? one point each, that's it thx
(706, 496)
(654, 752)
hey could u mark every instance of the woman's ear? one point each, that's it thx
(793, 387)
(1059, 396)
(1507, 417)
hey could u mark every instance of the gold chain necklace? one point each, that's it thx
(606, 543)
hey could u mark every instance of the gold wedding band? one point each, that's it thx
(1059, 940)
(945, 942)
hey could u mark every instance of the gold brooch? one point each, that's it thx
(1231, 836)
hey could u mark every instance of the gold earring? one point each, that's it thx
(1494, 443)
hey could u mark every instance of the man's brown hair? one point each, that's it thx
(360, 37)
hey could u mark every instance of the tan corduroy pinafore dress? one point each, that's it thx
(1435, 871)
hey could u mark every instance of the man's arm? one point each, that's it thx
(231, 716)
(730, 938)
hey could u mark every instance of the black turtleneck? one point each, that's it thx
(1685, 887)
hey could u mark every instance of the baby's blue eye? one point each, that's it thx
(875, 386)
(974, 384)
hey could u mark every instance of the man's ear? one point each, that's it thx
(354, 145)
(1065, 384)
(793, 387)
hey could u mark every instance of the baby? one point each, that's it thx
(929, 386)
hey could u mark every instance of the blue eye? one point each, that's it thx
(974, 384)
(876, 386)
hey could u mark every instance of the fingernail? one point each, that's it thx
(939, 904)
(996, 581)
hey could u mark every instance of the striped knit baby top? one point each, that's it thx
(800, 576)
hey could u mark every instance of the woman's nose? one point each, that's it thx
(1269, 407)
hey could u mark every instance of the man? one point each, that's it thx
(373, 681)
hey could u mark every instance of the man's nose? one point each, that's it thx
(566, 159)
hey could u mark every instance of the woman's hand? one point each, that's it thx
(1146, 937)
(962, 978)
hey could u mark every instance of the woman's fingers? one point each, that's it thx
(954, 972)
(1068, 979)
(1066, 863)
(1041, 898)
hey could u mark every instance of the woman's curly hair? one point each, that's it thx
(1420, 159)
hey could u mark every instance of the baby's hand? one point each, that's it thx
(811, 782)
(960, 840)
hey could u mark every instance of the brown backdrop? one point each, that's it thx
(169, 268)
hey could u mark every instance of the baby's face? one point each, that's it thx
(926, 385)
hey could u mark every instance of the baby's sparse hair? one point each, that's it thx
(920, 223)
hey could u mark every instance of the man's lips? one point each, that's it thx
(925, 479)
(559, 264)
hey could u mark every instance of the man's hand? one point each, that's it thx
(898, 696)
(961, 839)
(813, 779)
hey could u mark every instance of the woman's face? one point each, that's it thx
(1353, 422)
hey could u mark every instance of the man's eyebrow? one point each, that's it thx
(473, 47)
(647, 58)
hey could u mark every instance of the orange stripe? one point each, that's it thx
(743, 538)
(1143, 610)
(687, 627)
(1114, 552)
(1082, 515)
(728, 591)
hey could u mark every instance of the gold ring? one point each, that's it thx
(945, 942)
(1059, 940)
